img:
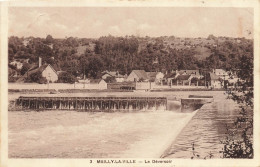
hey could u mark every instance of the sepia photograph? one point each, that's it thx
(130, 85)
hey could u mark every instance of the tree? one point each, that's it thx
(239, 142)
(95, 66)
(36, 77)
(110, 79)
(49, 39)
(25, 68)
(66, 77)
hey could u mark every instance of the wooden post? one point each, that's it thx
(84, 107)
(76, 103)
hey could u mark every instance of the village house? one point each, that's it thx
(193, 73)
(97, 84)
(141, 75)
(156, 77)
(221, 73)
(46, 70)
(137, 75)
(215, 81)
(118, 77)
(169, 77)
(183, 79)
(19, 63)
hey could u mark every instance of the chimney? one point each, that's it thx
(40, 61)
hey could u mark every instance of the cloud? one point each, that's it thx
(114, 30)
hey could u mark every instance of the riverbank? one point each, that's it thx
(205, 131)
(32, 91)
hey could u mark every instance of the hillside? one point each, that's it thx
(80, 56)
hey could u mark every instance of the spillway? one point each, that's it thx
(91, 103)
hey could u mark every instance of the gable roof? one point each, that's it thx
(195, 72)
(151, 75)
(113, 74)
(170, 75)
(220, 72)
(33, 70)
(141, 74)
(213, 76)
(183, 77)
(95, 81)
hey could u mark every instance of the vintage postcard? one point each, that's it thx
(130, 83)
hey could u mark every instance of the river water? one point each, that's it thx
(143, 134)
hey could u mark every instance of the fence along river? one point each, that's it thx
(93, 103)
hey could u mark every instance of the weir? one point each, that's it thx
(91, 103)
(55, 102)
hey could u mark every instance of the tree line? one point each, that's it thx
(124, 54)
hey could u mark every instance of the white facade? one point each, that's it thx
(221, 73)
(215, 84)
(50, 74)
(159, 76)
(132, 77)
(18, 64)
(100, 85)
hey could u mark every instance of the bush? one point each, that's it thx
(66, 77)
(36, 77)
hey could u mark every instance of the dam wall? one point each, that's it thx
(55, 102)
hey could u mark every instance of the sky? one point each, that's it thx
(93, 22)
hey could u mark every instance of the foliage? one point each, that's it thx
(25, 68)
(124, 54)
(36, 77)
(110, 79)
(66, 77)
(239, 141)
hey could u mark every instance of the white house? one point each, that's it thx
(221, 73)
(156, 77)
(193, 73)
(184, 79)
(137, 75)
(215, 81)
(118, 77)
(97, 84)
(46, 70)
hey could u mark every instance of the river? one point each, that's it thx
(143, 134)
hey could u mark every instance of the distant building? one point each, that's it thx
(137, 75)
(184, 79)
(141, 75)
(19, 63)
(118, 77)
(221, 73)
(169, 77)
(215, 81)
(193, 73)
(98, 83)
(156, 77)
(46, 70)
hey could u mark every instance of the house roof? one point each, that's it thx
(151, 75)
(95, 81)
(113, 74)
(141, 74)
(170, 75)
(183, 77)
(221, 72)
(213, 76)
(195, 72)
(34, 69)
